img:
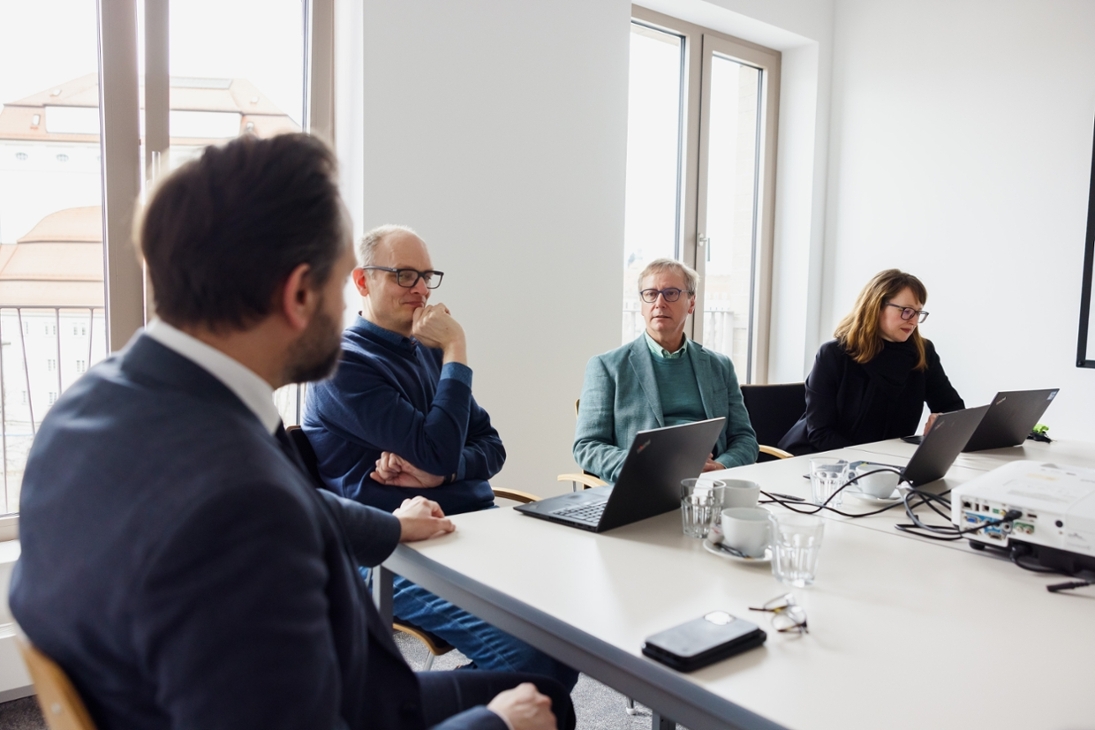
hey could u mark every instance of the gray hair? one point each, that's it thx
(366, 250)
(663, 265)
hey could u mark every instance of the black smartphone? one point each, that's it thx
(702, 641)
(914, 439)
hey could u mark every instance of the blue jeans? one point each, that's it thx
(485, 645)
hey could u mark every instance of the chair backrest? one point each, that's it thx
(773, 409)
(60, 702)
(307, 453)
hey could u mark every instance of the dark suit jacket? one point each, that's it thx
(185, 574)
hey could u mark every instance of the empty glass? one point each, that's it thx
(827, 476)
(796, 543)
(697, 506)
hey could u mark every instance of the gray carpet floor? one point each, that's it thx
(597, 706)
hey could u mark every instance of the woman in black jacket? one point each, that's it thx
(872, 381)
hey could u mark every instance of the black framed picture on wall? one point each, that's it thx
(1085, 352)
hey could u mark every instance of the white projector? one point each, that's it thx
(1057, 502)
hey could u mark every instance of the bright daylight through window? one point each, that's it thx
(700, 169)
(242, 73)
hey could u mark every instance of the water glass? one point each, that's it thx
(826, 477)
(796, 543)
(697, 507)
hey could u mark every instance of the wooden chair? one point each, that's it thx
(434, 643)
(585, 479)
(60, 702)
(773, 409)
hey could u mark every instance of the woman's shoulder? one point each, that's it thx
(831, 350)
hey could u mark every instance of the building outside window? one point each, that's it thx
(242, 73)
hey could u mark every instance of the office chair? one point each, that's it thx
(434, 643)
(60, 702)
(773, 409)
(586, 479)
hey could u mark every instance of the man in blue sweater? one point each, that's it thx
(398, 420)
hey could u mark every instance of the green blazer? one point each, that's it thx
(620, 398)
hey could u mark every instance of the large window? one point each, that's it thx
(188, 74)
(700, 179)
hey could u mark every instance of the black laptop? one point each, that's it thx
(941, 446)
(649, 482)
(1011, 416)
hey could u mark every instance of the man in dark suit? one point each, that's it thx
(177, 562)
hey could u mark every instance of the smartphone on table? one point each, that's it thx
(705, 640)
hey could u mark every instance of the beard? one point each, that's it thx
(315, 355)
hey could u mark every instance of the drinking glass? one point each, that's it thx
(697, 507)
(796, 543)
(826, 477)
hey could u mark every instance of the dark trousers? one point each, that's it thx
(445, 694)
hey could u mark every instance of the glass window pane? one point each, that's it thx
(237, 67)
(733, 139)
(652, 209)
(51, 251)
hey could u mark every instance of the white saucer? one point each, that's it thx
(723, 554)
(894, 497)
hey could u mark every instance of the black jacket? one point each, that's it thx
(849, 404)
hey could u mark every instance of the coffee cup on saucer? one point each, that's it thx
(880, 484)
(736, 493)
(746, 530)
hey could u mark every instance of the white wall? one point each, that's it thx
(498, 131)
(961, 151)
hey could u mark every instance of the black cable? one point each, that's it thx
(1058, 587)
(948, 532)
(1016, 558)
(797, 505)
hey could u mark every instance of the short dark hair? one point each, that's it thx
(224, 231)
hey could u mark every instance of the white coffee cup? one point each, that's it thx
(880, 484)
(746, 530)
(737, 493)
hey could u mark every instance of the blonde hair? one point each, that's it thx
(662, 265)
(858, 333)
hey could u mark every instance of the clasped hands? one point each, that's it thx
(395, 471)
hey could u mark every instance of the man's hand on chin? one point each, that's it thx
(422, 519)
(396, 471)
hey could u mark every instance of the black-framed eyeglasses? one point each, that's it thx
(407, 278)
(908, 313)
(671, 294)
(787, 615)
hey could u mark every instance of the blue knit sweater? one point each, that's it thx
(392, 394)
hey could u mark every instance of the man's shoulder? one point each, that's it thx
(614, 358)
(703, 353)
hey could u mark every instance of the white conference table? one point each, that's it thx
(903, 634)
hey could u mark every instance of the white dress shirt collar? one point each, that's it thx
(255, 392)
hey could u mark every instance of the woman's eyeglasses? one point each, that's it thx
(908, 313)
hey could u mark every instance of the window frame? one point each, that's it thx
(700, 43)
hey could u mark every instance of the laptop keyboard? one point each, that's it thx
(583, 512)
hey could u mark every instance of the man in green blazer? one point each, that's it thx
(660, 379)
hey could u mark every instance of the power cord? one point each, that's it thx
(948, 532)
(799, 505)
(1058, 587)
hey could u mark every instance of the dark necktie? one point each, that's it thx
(290, 449)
